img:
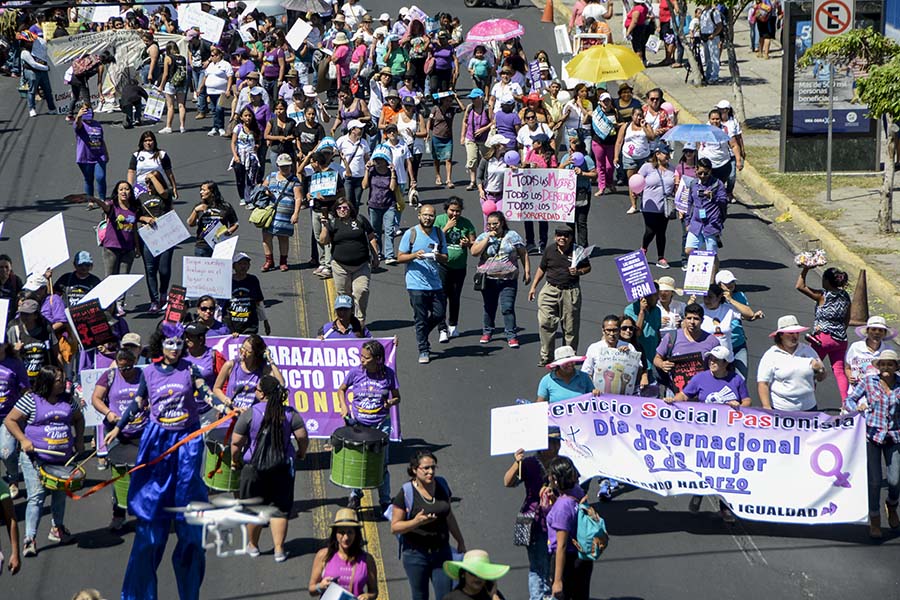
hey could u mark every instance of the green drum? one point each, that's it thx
(223, 478)
(122, 457)
(357, 457)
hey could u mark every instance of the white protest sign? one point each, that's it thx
(45, 246)
(244, 32)
(2, 223)
(102, 14)
(111, 288)
(4, 314)
(210, 26)
(416, 13)
(298, 33)
(249, 7)
(167, 232)
(539, 195)
(615, 370)
(336, 592)
(699, 272)
(519, 426)
(214, 233)
(89, 379)
(323, 184)
(206, 276)
(225, 248)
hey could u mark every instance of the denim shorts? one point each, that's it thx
(632, 164)
(702, 241)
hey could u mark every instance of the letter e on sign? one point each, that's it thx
(831, 17)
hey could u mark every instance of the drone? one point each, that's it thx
(221, 517)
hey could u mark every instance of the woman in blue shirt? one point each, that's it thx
(564, 381)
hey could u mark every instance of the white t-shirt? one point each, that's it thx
(400, 154)
(500, 90)
(718, 154)
(790, 377)
(354, 153)
(671, 319)
(217, 74)
(718, 322)
(354, 14)
(526, 135)
(859, 357)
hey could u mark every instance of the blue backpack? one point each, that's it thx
(408, 501)
(590, 526)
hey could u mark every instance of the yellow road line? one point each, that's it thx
(370, 529)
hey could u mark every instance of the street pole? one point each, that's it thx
(830, 130)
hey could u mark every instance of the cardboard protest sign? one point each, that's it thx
(111, 288)
(323, 184)
(634, 272)
(519, 426)
(226, 248)
(206, 276)
(45, 246)
(298, 33)
(539, 195)
(91, 325)
(686, 366)
(211, 26)
(700, 271)
(167, 232)
(176, 307)
(616, 370)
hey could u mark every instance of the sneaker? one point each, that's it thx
(694, 504)
(252, 551)
(604, 490)
(13, 491)
(485, 339)
(513, 342)
(531, 249)
(213, 132)
(662, 263)
(243, 202)
(444, 337)
(59, 534)
(453, 331)
(165, 130)
(102, 464)
(391, 261)
(424, 358)
(727, 515)
(154, 307)
(280, 557)
(117, 524)
(631, 211)
(222, 133)
(120, 309)
(325, 273)
(353, 502)
(684, 267)
(29, 548)
(32, 113)
(398, 232)
(182, 130)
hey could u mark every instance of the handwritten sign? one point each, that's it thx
(111, 288)
(226, 248)
(176, 307)
(686, 366)
(417, 14)
(634, 272)
(699, 274)
(4, 315)
(323, 184)
(91, 325)
(45, 246)
(167, 232)
(615, 371)
(206, 276)
(211, 26)
(539, 195)
(519, 426)
(298, 33)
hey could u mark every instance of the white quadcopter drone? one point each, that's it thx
(220, 518)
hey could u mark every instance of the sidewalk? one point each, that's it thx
(794, 203)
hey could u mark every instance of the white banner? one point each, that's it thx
(202, 276)
(111, 288)
(167, 232)
(539, 195)
(211, 26)
(45, 246)
(699, 274)
(781, 467)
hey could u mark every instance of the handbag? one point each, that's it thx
(523, 530)
(263, 217)
(429, 65)
(669, 208)
(478, 281)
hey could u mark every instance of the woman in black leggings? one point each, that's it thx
(660, 184)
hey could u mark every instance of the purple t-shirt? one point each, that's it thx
(443, 58)
(54, 309)
(89, 146)
(263, 115)
(563, 516)
(120, 229)
(370, 393)
(506, 126)
(705, 342)
(709, 389)
(13, 381)
(271, 67)
(245, 69)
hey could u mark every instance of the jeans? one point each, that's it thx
(202, 101)
(36, 494)
(382, 220)
(543, 229)
(711, 58)
(115, 259)
(244, 179)
(384, 490)
(9, 455)
(422, 567)
(218, 112)
(429, 308)
(454, 281)
(404, 191)
(835, 350)
(538, 566)
(502, 292)
(353, 190)
(91, 172)
(39, 79)
(891, 454)
(81, 93)
(754, 37)
(741, 360)
(132, 111)
(158, 265)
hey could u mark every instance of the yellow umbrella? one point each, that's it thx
(605, 62)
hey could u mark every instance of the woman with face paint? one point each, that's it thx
(166, 389)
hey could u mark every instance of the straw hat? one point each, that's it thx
(478, 563)
(877, 322)
(788, 324)
(667, 284)
(340, 39)
(564, 355)
(346, 517)
(885, 356)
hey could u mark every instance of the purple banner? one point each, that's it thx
(313, 371)
(785, 467)
(635, 275)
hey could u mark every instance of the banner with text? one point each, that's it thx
(313, 371)
(539, 195)
(782, 467)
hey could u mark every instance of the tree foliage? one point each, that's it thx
(864, 46)
(880, 90)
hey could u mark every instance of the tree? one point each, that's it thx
(736, 10)
(879, 57)
(684, 16)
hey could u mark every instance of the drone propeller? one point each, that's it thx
(191, 507)
(228, 501)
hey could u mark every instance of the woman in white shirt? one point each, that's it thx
(148, 159)
(788, 371)
(576, 112)
(672, 310)
(412, 130)
(218, 79)
(491, 172)
(722, 154)
(861, 354)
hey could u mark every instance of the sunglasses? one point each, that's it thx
(342, 207)
(627, 328)
(205, 308)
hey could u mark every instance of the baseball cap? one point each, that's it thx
(723, 104)
(132, 339)
(83, 258)
(722, 353)
(604, 96)
(384, 17)
(725, 276)
(476, 93)
(284, 159)
(196, 329)
(355, 124)
(240, 256)
(35, 282)
(408, 101)
(343, 301)
(256, 91)
(541, 137)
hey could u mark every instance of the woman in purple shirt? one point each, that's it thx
(571, 575)
(90, 151)
(446, 65)
(660, 178)
(13, 382)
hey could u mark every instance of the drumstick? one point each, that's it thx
(52, 452)
(79, 465)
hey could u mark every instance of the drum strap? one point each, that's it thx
(176, 446)
(221, 454)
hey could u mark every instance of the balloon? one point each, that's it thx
(488, 206)
(512, 158)
(668, 108)
(577, 159)
(637, 183)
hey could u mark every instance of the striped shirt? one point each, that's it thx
(26, 406)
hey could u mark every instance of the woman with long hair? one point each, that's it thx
(286, 193)
(633, 145)
(13, 383)
(413, 130)
(264, 434)
(155, 203)
(660, 184)
(244, 373)
(206, 315)
(174, 83)
(571, 575)
(150, 158)
(685, 171)
(343, 561)
(211, 215)
(279, 133)
(246, 140)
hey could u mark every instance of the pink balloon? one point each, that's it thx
(489, 206)
(637, 183)
(667, 106)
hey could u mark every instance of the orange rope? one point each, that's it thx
(221, 454)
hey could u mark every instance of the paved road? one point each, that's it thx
(658, 549)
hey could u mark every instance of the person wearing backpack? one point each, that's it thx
(571, 575)
(174, 83)
(423, 520)
(262, 442)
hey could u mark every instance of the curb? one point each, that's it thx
(752, 179)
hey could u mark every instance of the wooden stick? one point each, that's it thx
(79, 465)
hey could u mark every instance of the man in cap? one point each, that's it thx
(72, 286)
(198, 57)
(53, 308)
(559, 302)
(354, 151)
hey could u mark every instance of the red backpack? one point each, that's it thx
(85, 64)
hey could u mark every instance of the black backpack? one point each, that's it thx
(267, 456)
(179, 74)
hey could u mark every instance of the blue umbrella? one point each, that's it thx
(702, 134)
